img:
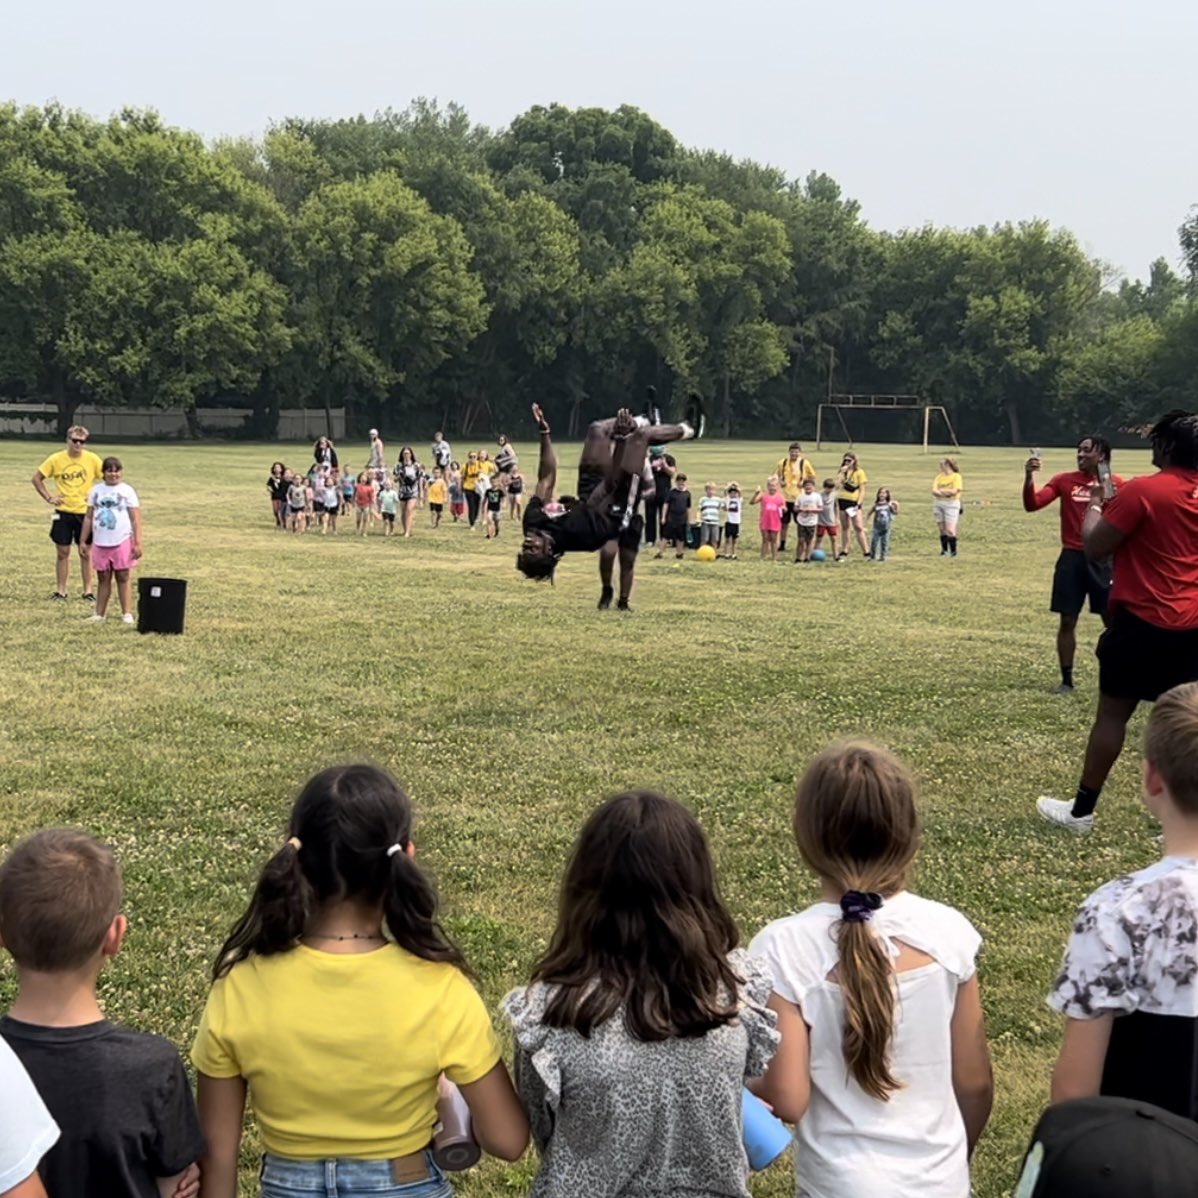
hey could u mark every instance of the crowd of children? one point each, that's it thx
(481, 491)
(858, 1020)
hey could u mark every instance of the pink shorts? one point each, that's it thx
(113, 557)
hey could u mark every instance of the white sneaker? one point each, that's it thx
(1060, 812)
(94, 618)
(127, 618)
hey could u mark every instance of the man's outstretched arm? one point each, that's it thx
(547, 466)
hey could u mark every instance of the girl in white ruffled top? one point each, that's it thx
(885, 986)
(643, 1020)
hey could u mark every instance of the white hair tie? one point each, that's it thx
(395, 848)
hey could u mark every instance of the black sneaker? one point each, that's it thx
(652, 411)
(696, 415)
(58, 597)
(622, 605)
(605, 598)
(88, 598)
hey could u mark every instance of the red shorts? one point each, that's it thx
(825, 530)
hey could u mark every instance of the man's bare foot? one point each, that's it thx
(539, 416)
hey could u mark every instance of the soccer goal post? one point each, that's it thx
(887, 404)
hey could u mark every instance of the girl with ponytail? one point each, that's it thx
(337, 1003)
(886, 985)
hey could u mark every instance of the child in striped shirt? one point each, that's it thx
(710, 507)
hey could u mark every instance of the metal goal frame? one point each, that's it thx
(881, 403)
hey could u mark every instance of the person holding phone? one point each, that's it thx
(1076, 578)
(1150, 528)
(850, 494)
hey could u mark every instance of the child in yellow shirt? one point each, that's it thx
(438, 495)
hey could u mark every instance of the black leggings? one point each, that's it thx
(652, 519)
(472, 505)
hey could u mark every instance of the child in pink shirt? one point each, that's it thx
(772, 503)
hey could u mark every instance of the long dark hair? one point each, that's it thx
(345, 820)
(641, 926)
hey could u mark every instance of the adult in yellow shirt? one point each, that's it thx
(850, 496)
(791, 471)
(338, 1006)
(470, 472)
(947, 489)
(75, 470)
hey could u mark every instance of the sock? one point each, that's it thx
(1067, 675)
(943, 543)
(952, 546)
(1085, 801)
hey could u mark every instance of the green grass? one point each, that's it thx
(509, 709)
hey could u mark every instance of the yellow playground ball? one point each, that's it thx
(705, 553)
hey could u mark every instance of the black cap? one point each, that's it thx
(1110, 1148)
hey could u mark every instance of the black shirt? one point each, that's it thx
(582, 529)
(662, 480)
(121, 1100)
(678, 506)
(494, 499)
(278, 487)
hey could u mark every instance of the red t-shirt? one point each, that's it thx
(1156, 568)
(1073, 490)
(363, 495)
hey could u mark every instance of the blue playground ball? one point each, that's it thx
(818, 555)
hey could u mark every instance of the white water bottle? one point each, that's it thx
(454, 1145)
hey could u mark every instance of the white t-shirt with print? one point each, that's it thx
(1133, 946)
(848, 1144)
(111, 524)
(732, 509)
(810, 507)
(27, 1130)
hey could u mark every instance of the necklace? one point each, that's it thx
(344, 936)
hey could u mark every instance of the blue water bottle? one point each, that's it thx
(765, 1136)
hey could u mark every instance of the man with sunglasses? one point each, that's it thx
(74, 470)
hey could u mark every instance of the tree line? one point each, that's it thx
(422, 270)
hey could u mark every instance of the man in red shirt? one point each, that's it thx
(1151, 646)
(1076, 577)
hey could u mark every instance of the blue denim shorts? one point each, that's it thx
(284, 1178)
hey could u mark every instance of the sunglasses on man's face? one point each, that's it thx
(78, 440)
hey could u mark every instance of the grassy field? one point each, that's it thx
(508, 709)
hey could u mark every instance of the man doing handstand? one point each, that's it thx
(610, 473)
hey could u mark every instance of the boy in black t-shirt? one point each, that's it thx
(492, 508)
(121, 1098)
(678, 514)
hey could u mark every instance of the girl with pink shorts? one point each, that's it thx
(113, 524)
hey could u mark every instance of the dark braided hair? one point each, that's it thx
(344, 821)
(1175, 436)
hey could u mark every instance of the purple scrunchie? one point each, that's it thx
(858, 906)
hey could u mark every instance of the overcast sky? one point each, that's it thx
(951, 111)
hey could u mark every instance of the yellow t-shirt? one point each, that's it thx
(470, 473)
(791, 474)
(946, 482)
(342, 1051)
(858, 496)
(437, 491)
(74, 477)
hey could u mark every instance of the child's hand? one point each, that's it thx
(136, 555)
(189, 1183)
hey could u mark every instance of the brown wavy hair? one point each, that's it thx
(856, 826)
(641, 926)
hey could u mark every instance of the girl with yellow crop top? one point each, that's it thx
(337, 1004)
(947, 488)
(850, 500)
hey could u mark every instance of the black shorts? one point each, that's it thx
(66, 528)
(674, 532)
(788, 512)
(1075, 579)
(388, 517)
(1138, 660)
(588, 480)
(731, 531)
(630, 537)
(436, 507)
(847, 505)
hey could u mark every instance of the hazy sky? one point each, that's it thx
(951, 111)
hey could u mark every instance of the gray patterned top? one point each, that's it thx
(616, 1117)
(1135, 946)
